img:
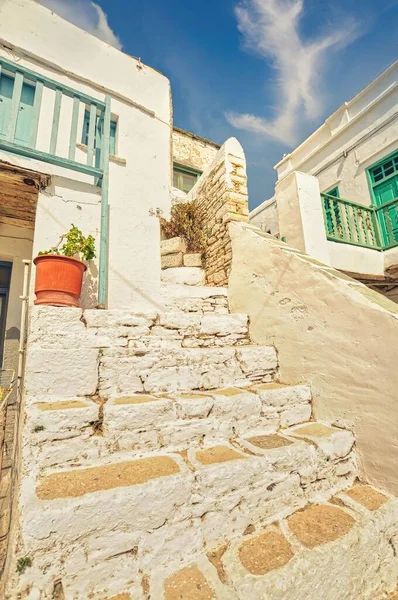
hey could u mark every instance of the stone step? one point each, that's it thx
(179, 275)
(179, 420)
(123, 517)
(67, 431)
(341, 550)
(167, 367)
(195, 298)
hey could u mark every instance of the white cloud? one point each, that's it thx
(272, 29)
(85, 14)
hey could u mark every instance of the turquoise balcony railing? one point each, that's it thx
(28, 129)
(347, 222)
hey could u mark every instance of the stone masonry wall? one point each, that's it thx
(192, 151)
(222, 196)
(83, 353)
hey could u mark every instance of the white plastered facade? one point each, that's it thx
(139, 179)
(338, 154)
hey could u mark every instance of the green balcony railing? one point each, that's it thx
(366, 226)
(40, 119)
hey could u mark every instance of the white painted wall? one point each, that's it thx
(266, 216)
(356, 259)
(300, 217)
(357, 135)
(141, 103)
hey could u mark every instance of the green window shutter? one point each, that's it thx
(384, 169)
(383, 181)
(98, 136)
(25, 110)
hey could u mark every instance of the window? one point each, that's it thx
(25, 110)
(98, 132)
(184, 178)
(385, 168)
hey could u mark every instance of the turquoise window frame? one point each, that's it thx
(178, 168)
(372, 184)
(112, 137)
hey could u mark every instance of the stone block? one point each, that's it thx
(53, 323)
(276, 394)
(79, 482)
(63, 373)
(193, 406)
(194, 432)
(50, 421)
(180, 320)
(233, 323)
(184, 276)
(237, 403)
(189, 582)
(335, 443)
(270, 550)
(75, 450)
(147, 492)
(173, 246)
(138, 411)
(293, 415)
(118, 319)
(193, 260)
(257, 360)
(172, 260)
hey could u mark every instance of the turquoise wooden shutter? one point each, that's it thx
(98, 136)
(25, 115)
(384, 185)
(6, 87)
(25, 110)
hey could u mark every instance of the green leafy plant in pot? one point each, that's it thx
(60, 270)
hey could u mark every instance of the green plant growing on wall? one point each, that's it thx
(74, 243)
(185, 222)
(23, 564)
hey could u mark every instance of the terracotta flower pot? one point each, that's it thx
(58, 280)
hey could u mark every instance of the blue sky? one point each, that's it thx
(265, 71)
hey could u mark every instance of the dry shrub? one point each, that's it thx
(185, 223)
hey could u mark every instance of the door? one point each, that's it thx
(384, 180)
(25, 111)
(5, 279)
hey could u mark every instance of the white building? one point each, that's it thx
(352, 160)
(55, 169)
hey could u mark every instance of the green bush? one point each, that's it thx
(184, 222)
(74, 244)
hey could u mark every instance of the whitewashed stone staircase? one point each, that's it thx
(191, 472)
